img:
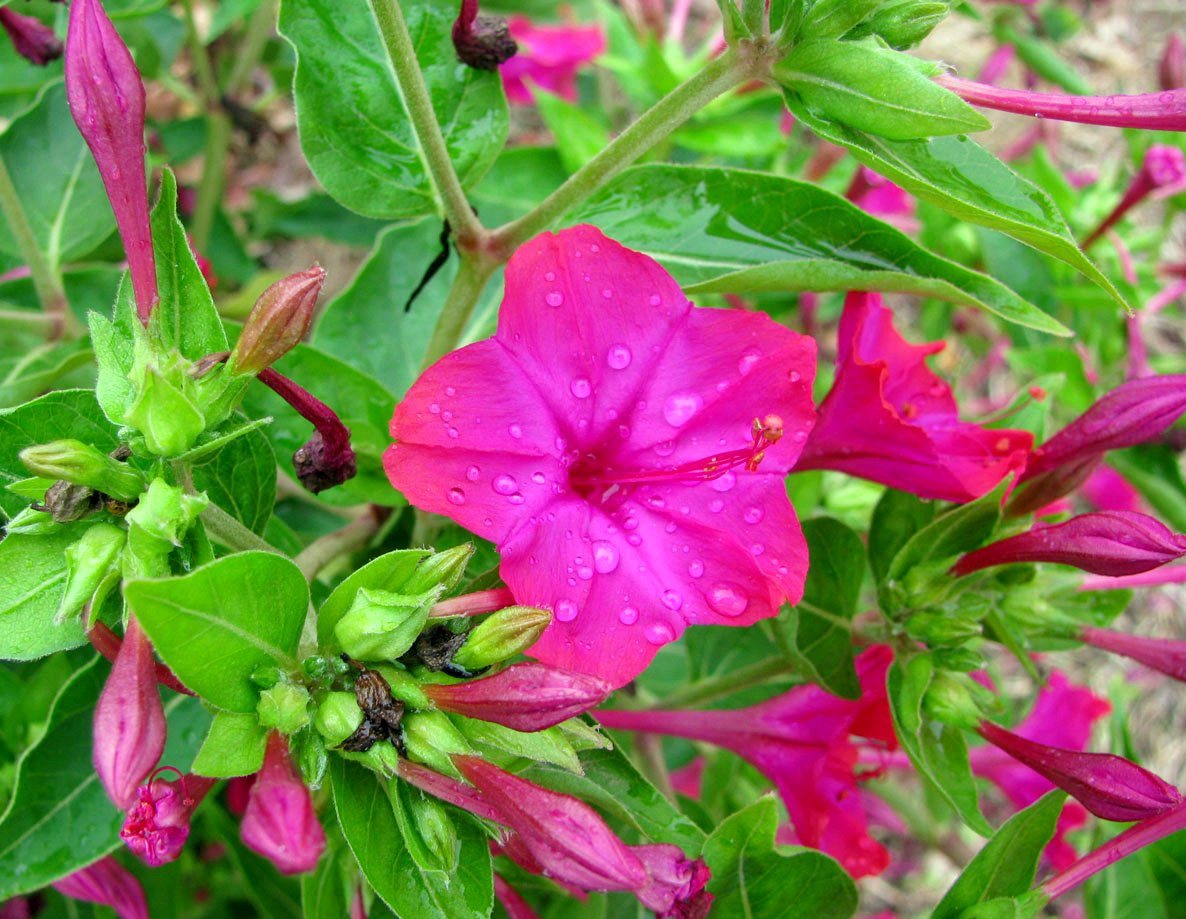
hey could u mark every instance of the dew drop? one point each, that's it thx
(450, 390)
(618, 357)
(754, 514)
(725, 482)
(627, 615)
(757, 549)
(452, 432)
(728, 599)
(515, 431)
(680, 407)
(794, 376)
(566, 611)
(716, 505)
(549, 276)
(538, 478)
(634, 539)
(585, 573)
(660, 633)
(434, 409)
(446, 416)
(594, 248)
(554, 298)
(671, 599)
(516, 498)
(505, 484)
(607, 293)
(749, 357)
(656, 501)
(455, 496)
(580, 388)
(654, 299)
(472, 473)
(605, 556)
(624, 431)
(665, 448)
(669, 527)
(696, 568)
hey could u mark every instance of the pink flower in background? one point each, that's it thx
(280, 822)
(548, 58)
(107, 883)
(801, 741)
(1163, 171)
(1161, 654)
(1108, 490)
(157, 825)
(609, 440)
(880, 197)
(890, 419)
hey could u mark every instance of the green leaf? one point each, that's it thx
(938, 751)
(520, 179)
(234, 746)
(32, 581)
(735, 231)
(961, 177)
(1006, 866)
(59, 818)
(42, 368)
(896, 518)
(369, 825)
(578, 133)
(832, 18)
(752, 879)
(66, 413)
(817, 633)
(955, 532)
(56, 179)
(215, 626)
(241, 479)
(354, 128)
(114, 341)
(387, 572)
(327, 890)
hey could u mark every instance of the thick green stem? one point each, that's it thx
(227, 531)
(255, 39)
(729, 70)
(406, 67)
(218, 135)
(726, 684)
(353, 536)
(46, 281)
(459, 306)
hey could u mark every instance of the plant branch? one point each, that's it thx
(353, 536)
(218, 135)
(226, 530)
(726, 684)
(458, 308)
(255, 39)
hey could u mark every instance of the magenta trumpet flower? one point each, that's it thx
(129, 729)
(106, 97)
(1164, 169)
(32, 39)
(280, 823)
(157, 825)
(525, 697)
(1113, 543)
(1161, 654)
(107, 883)
(327, 459)
(548, 58)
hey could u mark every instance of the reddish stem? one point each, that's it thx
(481, 601)
(107, 643)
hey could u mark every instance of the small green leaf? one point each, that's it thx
(33, 577)
(955, 532)
(234, 746)
(241, 479)
(896, 518)
(214, 627)
(832, 18)
(387, 572)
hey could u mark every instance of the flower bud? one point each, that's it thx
(955, 699)
(443, 568)
(91, 563)
(1171, 72)
(323, 669)
(427, 831)
(129, 727)
(284, 707)
(31, 38)
(157, 825)
(547, 746)
(81, 464)
(942, 628)
(381, 625)
(280, 822)
(481, 42)
(156, 525)
(1109, 786)
(1113, 543)
(312, 758)
(278, 321)
(525, 697)
(675, 884)
(338, 716)
(502, 635)
(405, 688)
(107, 883)
(106, 99)
(167, 416)
(1161, 654)
(431, 738)
(903, 24)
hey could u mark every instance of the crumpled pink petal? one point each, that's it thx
(548, 58)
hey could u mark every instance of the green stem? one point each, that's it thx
(353, 536)
(718, 77)
(226, 530)
(459, 307)
(203, 68)
(726, 684)
(255, 39)
(402, 54)
(46, 281)
(218, 135)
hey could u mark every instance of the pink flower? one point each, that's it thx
(157, 825)
(1171, 71)
(32, 39)
(548, 58)
(1164, 169)
(525, 697)
(890, 419)
(1108, 490)
(1113, 543)
(280, 822)
(606, 439)
(801, 742)
(129, 730)
(107, 883)
(882, 198)
(106, 99)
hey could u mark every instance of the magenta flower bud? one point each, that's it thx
(129, 720)
(1164, 655)
(278, 321)
(1164, 167)
(157, 825)
(1163, 111)
(675, 885)
(31, 38)
(107, 883)
(525, 697)
(327, 459)
(280, 822)
(1109, 786)
(566, 837)
(1171, 72)
(106, 99)
(1107, 542)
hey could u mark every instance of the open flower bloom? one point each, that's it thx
(801, 741)
(107, 883)
(890, 419)
(548, 58)
(157, 825)
(624, 450)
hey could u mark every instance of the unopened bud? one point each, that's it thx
(265, 676)
(312, 759)
(942, 628)
(90, 562)
(323, 669)
(954, 699)
(502, 635)
(441, 568)
(431, 739)
(1171, 72)
(81, 464)
(550, 745)
(381, 625)
(157, 524)
(425, 826)
(905, 23)
(278, 321)
(107, 883)
(166, 415)
(405, 688)
(338, 716)
(280, 822)
(284, 707)
(31, 38)
(481, 42)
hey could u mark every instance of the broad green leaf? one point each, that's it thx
(241, 479)
(274, 896)
(316, 215)
(959, 530)
(751, 878)
(32, 581)
(875, 89)
(234, 746)
(57, 181)
(387, 572)
(938, 751)
(896, 518)
(44, 367)
(735, 231)
(215, 626)
(370, 828)
(355, 131)
(817, 633)
(1005, 867)
(520, 179)
(963, 178)
(114, 341)
(66, 413)
(1149, 884)
(832, 18)
(327, 890)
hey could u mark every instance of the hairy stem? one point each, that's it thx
(459, 307)
(226, 530)
(353, 536)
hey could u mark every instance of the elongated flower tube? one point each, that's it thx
(157, 825)
(1106, 542)
(525, 697)
(1161, 654)
(106, 97)
(327, 459)
(129, 720)
(32, 39)
(1163, 111)
(1164, 167)
(280, 823)
(107, 643)
(107, 883)
(1109, 786)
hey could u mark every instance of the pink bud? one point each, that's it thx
(525, 697)
(1171, 72)
(129, 719)
(1107, 542)
(675, 885)
(280, 822)
(278, 321)
(1164, 168)
(106, 99)
(108, 883)
(1109, 786)
(31, 38)
(157, 825)
(1161, 654)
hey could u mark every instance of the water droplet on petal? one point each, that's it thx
(665, 448)
(679, 408)
(728, 599)
(472, 473)
(630, 523)
(619, 357)
(671, 599)
(505, 484)
(538, 478)
(628, 615)
(452, 432)
(754, 514)
(566, 611)
(605, 556)
(660, 633)
(794, 376)
(725, 482)
(757, 549)
(654, 299)
(549, 276)
(696, 568)
(455, 496)
(434, 409)
(554, 298)
(585, 573)
(515, 431)
(749, 357)
(450, 390)
(516, 499)
(607, 293)
(716, 505)
(634, 539)
(580, 388)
